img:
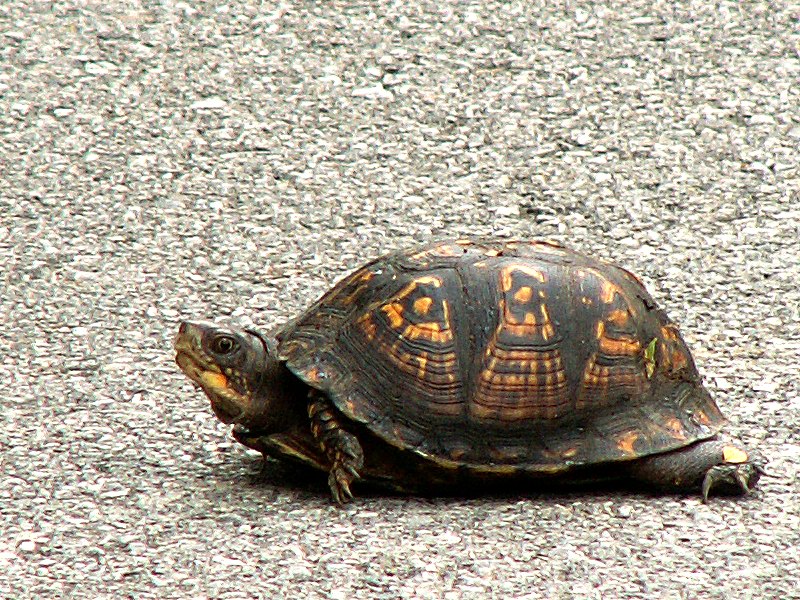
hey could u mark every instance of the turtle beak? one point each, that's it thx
(227, 402)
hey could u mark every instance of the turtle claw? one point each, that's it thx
(737, 478)
(345, 469)
(341, 448)
(339, 480)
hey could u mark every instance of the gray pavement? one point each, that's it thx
(181, 159)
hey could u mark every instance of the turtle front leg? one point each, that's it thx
(340, 447)
(715, 464)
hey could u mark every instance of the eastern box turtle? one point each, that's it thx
(466, 363)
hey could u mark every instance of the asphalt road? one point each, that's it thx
(168, 160)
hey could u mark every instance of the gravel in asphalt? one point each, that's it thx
(175, 160)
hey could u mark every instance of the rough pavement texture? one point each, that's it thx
(176, 159)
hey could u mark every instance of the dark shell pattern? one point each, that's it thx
(502, 357)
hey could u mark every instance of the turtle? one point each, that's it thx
(469, 363)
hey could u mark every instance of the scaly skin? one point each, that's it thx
(340, 447)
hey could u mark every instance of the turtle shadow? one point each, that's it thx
(282, 476)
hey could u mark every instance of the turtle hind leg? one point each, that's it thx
(293, 445)
(342, 449)
(705, 466)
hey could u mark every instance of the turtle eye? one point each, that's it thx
(223, 344)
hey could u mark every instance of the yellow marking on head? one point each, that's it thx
(523, 294)
(481, 264)
(216, 381)
(626, 442)
(734, 455)
(422, 305)
(395, 313)
(313, 375)
(586, 300)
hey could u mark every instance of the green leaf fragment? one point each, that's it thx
(650, 357)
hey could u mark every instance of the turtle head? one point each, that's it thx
(237, 369)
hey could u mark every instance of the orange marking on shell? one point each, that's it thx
(734, 455)
(523, 294)
(431, 331)
(675, 428)
(626, 441)
(547, 327)
(569, 452)
(600, 330)
(669, 332)
(528, 325)
(394, 311)
(607, 291)
(620, 346)
(678, 360)
(422, 360)
(425, 280)
(507, 275)
(368, 326)
(701, 417)
(423, 305)
(618, 317)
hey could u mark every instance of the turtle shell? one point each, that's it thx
(502, 357)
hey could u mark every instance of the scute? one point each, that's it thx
(498, 355)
